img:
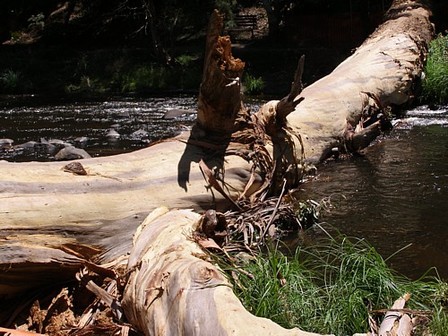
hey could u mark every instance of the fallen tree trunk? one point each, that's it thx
(338, 110)
(174, 290)
(53, 219)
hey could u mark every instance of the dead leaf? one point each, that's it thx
(210, 178)
(208, 244)
(281, 279)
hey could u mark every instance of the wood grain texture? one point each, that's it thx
(174, 290)
(53, 220)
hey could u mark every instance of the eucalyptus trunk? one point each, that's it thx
(55, 220)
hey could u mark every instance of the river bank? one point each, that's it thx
(63, 71)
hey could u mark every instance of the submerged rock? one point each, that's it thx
(139, 135)
(6, 143)
(112, 135)
(81, 141)
(177, 112)
(27, 145)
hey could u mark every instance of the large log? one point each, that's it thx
(53, 220)
(382, 72)
(174, 290)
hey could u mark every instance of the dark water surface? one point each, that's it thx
(101, 128)
(394, 196)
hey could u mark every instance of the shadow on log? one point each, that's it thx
(54, 222)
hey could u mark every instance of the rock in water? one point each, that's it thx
(71, 153)
(6, 143)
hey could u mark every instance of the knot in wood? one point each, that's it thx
(208, 276)
(209, 223)
(267, 117)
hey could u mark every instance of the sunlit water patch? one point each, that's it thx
(423, 116)
(101, 128)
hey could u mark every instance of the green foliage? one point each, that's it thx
(227, 8)
(144, 78)
(356, 278)
(266, 296)
(253, 85)
(152, 77)
(439, 322)
(12, 81)
(435, 83)
(37, 21)
(63, 70)
(331, 288)
(86, 85)
(185, 60)
(438, 296)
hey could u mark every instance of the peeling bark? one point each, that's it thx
(219, 100)
(174, 290)
(54, 222)
(386, 66)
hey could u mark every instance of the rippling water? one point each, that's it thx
(101, 128)
(396, 195)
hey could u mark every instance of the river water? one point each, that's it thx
(395, 196)
(101, 128)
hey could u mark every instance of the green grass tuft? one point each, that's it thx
(253, 85)
(435, 83)
(332, 288)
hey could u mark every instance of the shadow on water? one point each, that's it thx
(395, 196)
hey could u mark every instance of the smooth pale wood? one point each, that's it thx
(43, 194)
(50, 217)
(386, 65)
(397, 323)
(41, 205)
(174, 290)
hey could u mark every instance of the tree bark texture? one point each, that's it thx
(382, 72)
(54, 221)
(174, 290)
(219, 100)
